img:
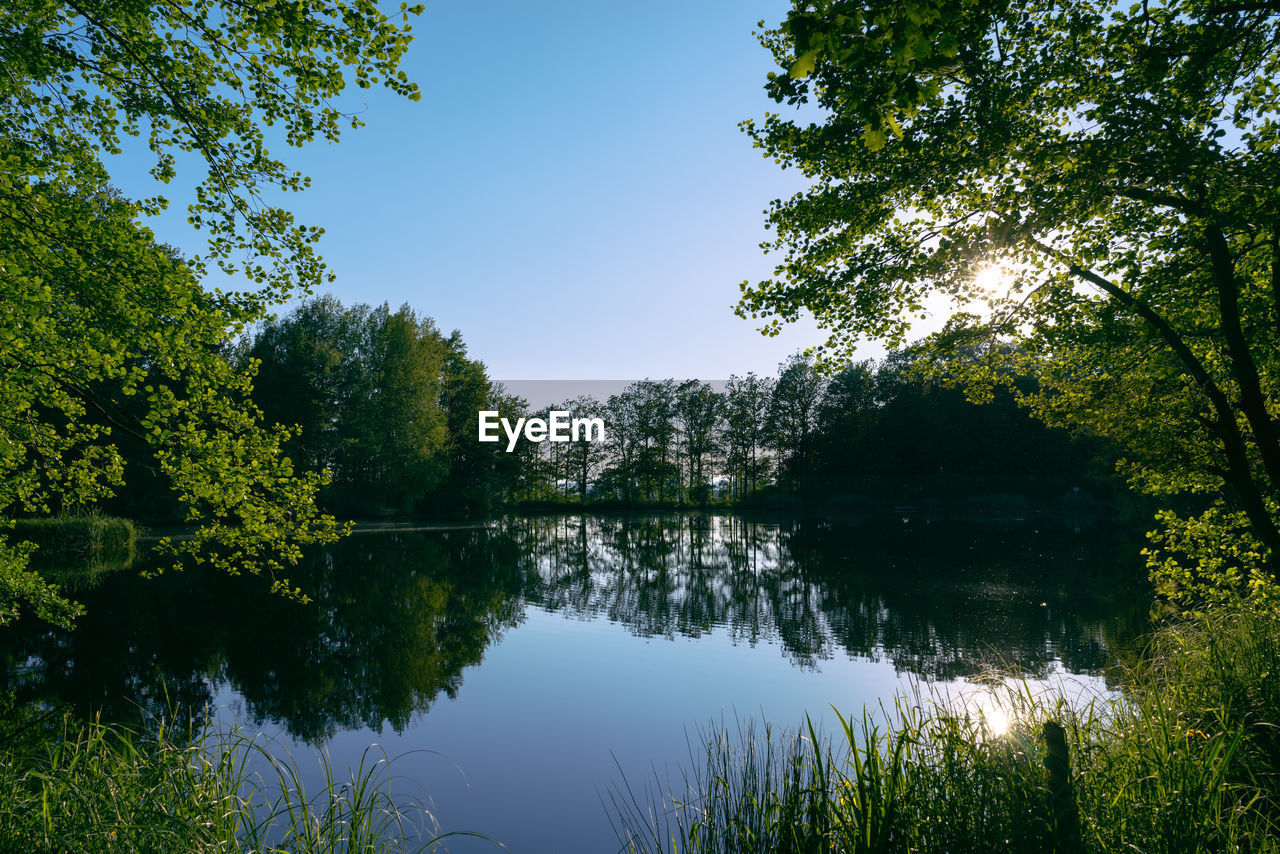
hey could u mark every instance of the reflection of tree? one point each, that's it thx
(944, 604)
(937, 602)
(399, 616)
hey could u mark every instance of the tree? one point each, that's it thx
(642, 442)
(364, 386)
(106, 335)
(698, 409)
(656, 471)
(896, 419)
(746, 421)
(1096, 183)
(480, 474)
(202, 76)
(793, 416)
(306, 376)
(97, 315)
(585, 457)
(619, 477)
(846, 416)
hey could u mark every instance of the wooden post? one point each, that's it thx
(1065, 826)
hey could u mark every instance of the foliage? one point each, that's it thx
(83, 539)
(481, 476)
(585, 458)
(106, 333)
(363, 387)
(1095, 183)
(792, 419)
(892, 418)
(383, 401)
(697, 413)
(196, 76)
(686, 443)
(746, 409)
(109, 334)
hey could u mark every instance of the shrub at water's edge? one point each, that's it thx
(78, 539)
(1185, 759)
(75, 553)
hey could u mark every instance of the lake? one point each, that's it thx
(517, 670)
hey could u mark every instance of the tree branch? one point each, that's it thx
(1243, 367)
(1239, 473)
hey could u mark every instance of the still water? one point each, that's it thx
(517, 670)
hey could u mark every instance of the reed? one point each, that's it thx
(74, 540)
(1183, 759)
(106, 788)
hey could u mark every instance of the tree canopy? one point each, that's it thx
(107, 335)
(1097, 184)
(386, 403)
(202, 77)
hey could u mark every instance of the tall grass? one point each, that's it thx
(1182, 760)
(76, 540)
(94, 787)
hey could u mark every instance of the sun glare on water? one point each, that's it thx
(997, 719)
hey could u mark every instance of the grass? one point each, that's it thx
(94, 787)
(76, 540)
(1184, 759)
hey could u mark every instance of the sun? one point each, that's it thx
(993, 279)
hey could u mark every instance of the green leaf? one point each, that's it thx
(804, 64)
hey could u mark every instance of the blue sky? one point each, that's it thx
(572, 191)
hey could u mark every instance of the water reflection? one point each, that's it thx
(399, 616)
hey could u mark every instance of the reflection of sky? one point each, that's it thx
(539, 731)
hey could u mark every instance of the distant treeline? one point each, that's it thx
(798, 434)
(388, 404)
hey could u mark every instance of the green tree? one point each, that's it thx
(642, 441)
(96, 312)
(202, 76)
(846, 417)
(585, 457)
(897, 419)
(656, 467)
(399, 426)
(364, 386)
(481, 475)
(1096, 183)
(306, 375)
(106, 335)
(619, 477)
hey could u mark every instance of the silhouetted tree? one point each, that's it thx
(698, 411)
(793, 417)
(746, 426)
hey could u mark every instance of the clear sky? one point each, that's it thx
(572, 191)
